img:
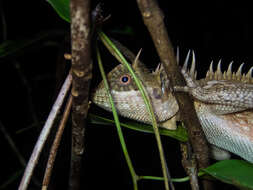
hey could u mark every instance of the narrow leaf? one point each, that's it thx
(179, 134)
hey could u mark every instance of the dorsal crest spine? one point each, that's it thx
(237, 76)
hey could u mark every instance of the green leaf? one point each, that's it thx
(179, 134)
(62, 8)
(236, 172)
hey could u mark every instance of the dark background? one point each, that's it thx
(31, 76)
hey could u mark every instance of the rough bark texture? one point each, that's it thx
(81, 72)
(153, 19)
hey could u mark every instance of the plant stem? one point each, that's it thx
(115, 115)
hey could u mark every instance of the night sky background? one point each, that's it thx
(31, 77)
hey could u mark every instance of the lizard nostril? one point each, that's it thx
(156, 93)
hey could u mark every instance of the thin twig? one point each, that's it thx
(28, 88)
(44, 134)
(189, 163)
(12, 145)
(56, 143)
(14, 148)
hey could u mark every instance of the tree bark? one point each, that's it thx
(82, 74)
(153, 19)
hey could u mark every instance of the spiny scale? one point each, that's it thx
(228, 92)
(218, 74)
(228, 74)
(223, 102)
(192, 71)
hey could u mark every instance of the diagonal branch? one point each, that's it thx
(81, 73)
(44, 134)
(56, 144)
(153, 19)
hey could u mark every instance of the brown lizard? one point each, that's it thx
(223, 102)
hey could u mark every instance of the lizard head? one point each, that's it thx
(128, 99)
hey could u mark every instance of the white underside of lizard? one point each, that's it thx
(232, 132)
(223, 103)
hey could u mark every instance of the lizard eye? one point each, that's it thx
(125, 79)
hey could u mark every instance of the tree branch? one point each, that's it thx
(56, 144)
(44, 134)
(153, 19)
(81, 73)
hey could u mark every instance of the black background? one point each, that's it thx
(213, 29)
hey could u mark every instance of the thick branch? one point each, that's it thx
(153, 19)
(81, 72)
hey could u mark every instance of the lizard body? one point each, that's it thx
(223, 102)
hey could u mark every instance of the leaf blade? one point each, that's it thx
(62, 8)
(179, 134)
(235, 172)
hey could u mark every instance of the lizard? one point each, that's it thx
(222, 100)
